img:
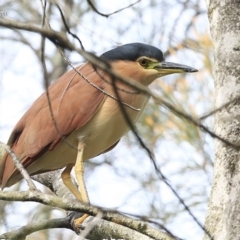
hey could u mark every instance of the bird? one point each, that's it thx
(87, 118)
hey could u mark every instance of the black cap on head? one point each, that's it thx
(133, 51)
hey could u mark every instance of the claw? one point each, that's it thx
(77, 223)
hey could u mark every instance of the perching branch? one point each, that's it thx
(54, 201)
(53, 180)
(22, 232)
(101, 230)
(115, 224)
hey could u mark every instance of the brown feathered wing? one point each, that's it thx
(74, 103)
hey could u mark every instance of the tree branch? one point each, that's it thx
(109, 14)
(26, 196)
(22, 232)
(53, 180)
(67, 201)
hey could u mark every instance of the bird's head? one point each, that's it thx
(142, 62)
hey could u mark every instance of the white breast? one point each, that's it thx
(108, 125)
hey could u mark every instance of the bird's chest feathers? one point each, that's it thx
(109, 124)
(112, 118)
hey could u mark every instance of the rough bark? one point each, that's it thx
(223, 221)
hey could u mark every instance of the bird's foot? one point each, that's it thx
(77, 223)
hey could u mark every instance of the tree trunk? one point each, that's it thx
(223, 218)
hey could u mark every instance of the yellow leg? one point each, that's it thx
(66, 177)
(79, 172)
(81, 192)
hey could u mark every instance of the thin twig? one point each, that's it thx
(101, 90)
(225, 105)
(21, 169)
(152, 158)
(107, 15)
(45, 23)
(194, 121)
(109, 82)
(67, 28)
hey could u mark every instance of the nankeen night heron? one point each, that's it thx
(87, 115)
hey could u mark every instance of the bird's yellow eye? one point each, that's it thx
(144, 62)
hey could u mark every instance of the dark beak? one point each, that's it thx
(165, 68)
